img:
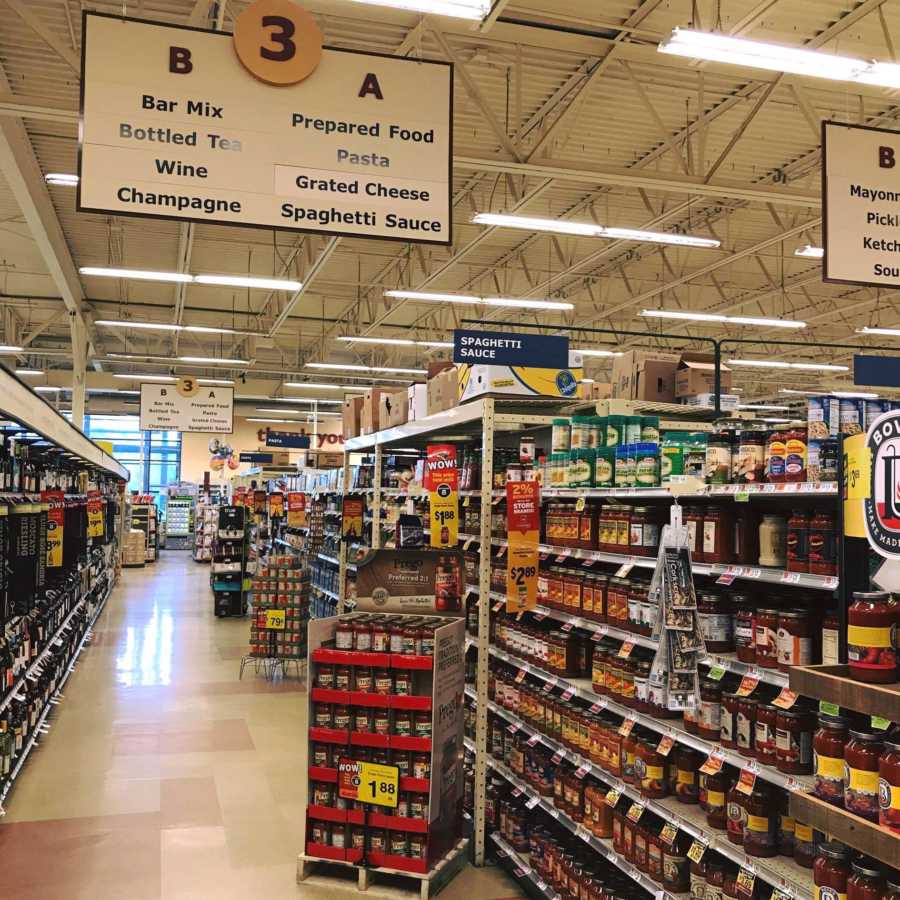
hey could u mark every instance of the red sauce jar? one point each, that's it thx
(343, 635)
(861, 758)
(676, 865)
(798, 541)
(889, 786)
(795, 453)
(715, 801)
(786, 825)
(709, 722)
(716, 624)
(737, 815)
(804, 845)
(764, 745)
(794, 638)
(871, 656)
(793, 740)
(744, 637)
(866, 881)
(687, 774)
(831, 871)
(324, 676)
(693, 520)
(342, 676)
(766, 638)
(362, 635)
(381, 636)
(822, 545)
(728, 735)
(745, 733)
(761, 830)
(828, 755)
(718, 535)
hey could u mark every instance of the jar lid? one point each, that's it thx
(864, 865)
(768, 612)
(827, 719)
(793, 614)
(874, 737)
(884, 596)
(834, 850)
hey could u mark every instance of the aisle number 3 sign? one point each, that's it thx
(196, 125)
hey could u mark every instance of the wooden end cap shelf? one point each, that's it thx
(834, 685)
(865, 836)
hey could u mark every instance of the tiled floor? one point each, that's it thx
(163, 776)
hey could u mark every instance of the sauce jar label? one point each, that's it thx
(871, 647)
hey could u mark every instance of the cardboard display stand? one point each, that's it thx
(437, 687)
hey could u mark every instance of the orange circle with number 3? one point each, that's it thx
(277, 41)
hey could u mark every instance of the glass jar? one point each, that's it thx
(676, 865)
(718, 458)
(766, 638)
(383, 682)
(362, 635)
(871, 656)
(709, 722)
(793, 740)
(822, 544)
(744, 643)
(761, 830)
(687, 774)
(728, 734)
(322, 717)
(775, 456)
(786, 825)
(737, 816)
(798, 541)
(716, 626)
(748, 458)
(831, 636)
(693, 521)
(363, 679)
(745, 722)
(764, 745)
(715, 802)
(889, 786)
(343, 635)
(795, 452)
(828, 754)
(831, 871)
(325, 676)
(773, 541)
(804, 845)
(342, 676)
(866, 881)
(861, 757)
(381, 636)
(794, 638)
(715, 877)
(718, 535)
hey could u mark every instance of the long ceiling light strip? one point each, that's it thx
(810, 252)
(778, 364)
(724, 320)
(169, 326)
(355, 368)
(166, 378)
(510, 302)
(778, 58)
(399, 342)
(890, 332)
(588, 229)
(843, 395)
(248, 281)
(323, 386)
(196, 360)
(587, 351)
(475, 10)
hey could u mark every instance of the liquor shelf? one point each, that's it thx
(781, 873)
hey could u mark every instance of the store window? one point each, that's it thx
(152, 457)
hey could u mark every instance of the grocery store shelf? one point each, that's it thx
(781, 873)
(329, 559)
(735, 572)
(331, 594)
(737, 491)
(581, 687)
(834, 685)
(603, 847)
(520, 868)
(865, 836)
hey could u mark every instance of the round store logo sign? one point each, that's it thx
(566, 383)
(882, 507)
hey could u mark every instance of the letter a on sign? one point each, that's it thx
(371, 86)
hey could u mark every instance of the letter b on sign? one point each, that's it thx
(180, 61)
(886, 159)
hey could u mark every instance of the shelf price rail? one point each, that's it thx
(602, 847)
(724, 661)
(787, 876)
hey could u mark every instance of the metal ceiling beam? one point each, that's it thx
(314, 270)
(66, 54)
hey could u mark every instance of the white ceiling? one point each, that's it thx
(567, 111)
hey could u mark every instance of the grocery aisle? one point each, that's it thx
(163, 776)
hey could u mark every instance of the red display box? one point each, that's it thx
(398, 823)
(402, 661)
(327, 813)
(401, 863)
(403, 701)
(416, 785)
(321, 773)
(323, 851)
(382, 701)
(329, 695)
(400, 742)
(328, 655)
(330, 735)
(366, 739)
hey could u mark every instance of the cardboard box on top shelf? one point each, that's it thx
(597, 390)
(392, 409)
(370, 416)
(416, 402)
(442, 390)
(483, 380)
(645, 375)
(726, 401)
(350, 413)
(696, 374)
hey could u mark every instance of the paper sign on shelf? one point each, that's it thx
(275, 619)
(352, 517)
(523, 504)
(442, 484)
(95, 514)
(56, 518)
(857, 467)
(276, 504)
(296, 509)
(367, 782)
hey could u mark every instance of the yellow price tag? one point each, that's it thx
(669, 833)
(378, 784)
(696, 851)
(466, 501)
(612, 797)
(275, 619)
(580, 504)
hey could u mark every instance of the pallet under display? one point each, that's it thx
(386, 723)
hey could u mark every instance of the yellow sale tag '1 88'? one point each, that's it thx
(275, 619)
(378, 784)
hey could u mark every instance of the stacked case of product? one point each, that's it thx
(378, 684)
(280, 584)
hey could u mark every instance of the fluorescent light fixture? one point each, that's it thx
(587, 351)
(282, 412)
(586, 381)
(168, 326)
(167, 378)
(844, 395)
(306, 400)
(891, 332)
(509, 302)
(9, 348)
(327, 387)
(215, 381)
(810, 252)
(778, 58)
(49, 389)
(250, 281)
(405, 342)
(773, 408)
(279, 421)
(41, 372)
(354, 368)
(136, 274)
(113, 391)
(588, 229)
(61, 179)
(213, 361)
(776, 421)
(778, 364)
(726, 320)
(457, 9)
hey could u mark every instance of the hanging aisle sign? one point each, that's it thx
(442, 484)
(187, 406)
(861, 204)
(263, 128)
(507, 348)
(523, 505)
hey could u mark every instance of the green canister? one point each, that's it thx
(615, 431)
(560, 436)
(604, 467)
(672, 457)
(632, 430)
(581, 468)
(621, 476)
(646, 466)
(649, 429)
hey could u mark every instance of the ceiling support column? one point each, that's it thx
(79, 367)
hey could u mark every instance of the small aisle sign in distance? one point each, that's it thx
(197, 125)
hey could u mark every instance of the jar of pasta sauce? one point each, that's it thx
(829, 742)
(761, 831)
(766, 638)
(737, 815)
(861, 759)
(744, 639)
(746, 726)
(831, 871)
(728, 732)
(709, 723)
(798, 541)
(866, 881)
(766, 715)
(715, 801)
(822, 545)
(794, 638)
(889, 786)
(793, 740)
(716, 626)
(687, 771)
(804, 845)
(871, 621)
